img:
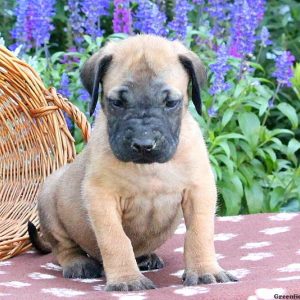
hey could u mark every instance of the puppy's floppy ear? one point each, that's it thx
(195, 69)
(92, 74)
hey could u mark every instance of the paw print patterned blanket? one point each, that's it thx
(263, 251)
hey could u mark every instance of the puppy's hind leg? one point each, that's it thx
(150, 262)
(75, 262)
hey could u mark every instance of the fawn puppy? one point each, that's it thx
(145, 165)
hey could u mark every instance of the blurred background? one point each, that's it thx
(251, 103)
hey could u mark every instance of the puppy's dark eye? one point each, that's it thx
(172, 103)
(117, 103)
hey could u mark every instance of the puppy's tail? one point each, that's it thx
(37, 242)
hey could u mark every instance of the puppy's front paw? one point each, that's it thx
(83, 267)
(193, 277)
(142, 283)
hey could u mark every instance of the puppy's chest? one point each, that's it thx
(151, 199)
(152, 212)
(149, 184)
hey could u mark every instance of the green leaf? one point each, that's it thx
(276, 141)
(229, 136)
(254, 197)
(77, 134)
(227, 117)
(250, 127)
(261, 153)
(283, 164)
(227, 162)
(88, 39)
(237, 184)
(246, 148)
(276, 197)
(79, 147)
(99, 41)
(117, 36)
(56, 56)
(222, 99)
(232, 201)
(247, 172)
(238, 89)
(258, 167)
(256, 66)
(278, 131)
(271, 153)
(264, 91)
(263, 106)
(233, 150)
(225, 147)
(293, 146)
(290, 112)
(264, 80)
(232, 191)
(213, 160)
(216, 169)
(296, 78)
(292, 206)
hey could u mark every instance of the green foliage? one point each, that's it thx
(252, 147)
(296, 80)
(283, 20)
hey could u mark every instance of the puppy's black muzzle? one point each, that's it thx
(143, 140)
(143, 145)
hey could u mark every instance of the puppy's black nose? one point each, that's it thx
(141, 146)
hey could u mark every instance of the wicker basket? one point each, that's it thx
(34, 141)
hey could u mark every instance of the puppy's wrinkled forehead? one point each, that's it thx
(143, 58)
(145, 61)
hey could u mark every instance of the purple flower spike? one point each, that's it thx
(68, 121)
(180, 21)
(149, 19)
(76, 21)
(122, 19)
(43, 12)
(246, 16)
(34, 22)
(65, 92)
(283, 68)
(19, 33)
(64, 86)
(265, 37)
(93, 11)
(198, 2)
(218, 10)
(260, 7)
(84, 95)
(212, 112)
(219, 70)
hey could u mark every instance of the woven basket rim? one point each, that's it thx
(34, 141)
